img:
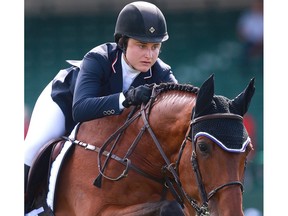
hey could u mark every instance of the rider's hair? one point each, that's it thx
(123, 43)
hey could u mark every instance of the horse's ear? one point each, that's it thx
(204, 96)
(242, 101)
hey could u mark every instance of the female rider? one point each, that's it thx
(110, 77)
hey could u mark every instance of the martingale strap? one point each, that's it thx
(109, 155)
(168, 165)
(115, 136)
(126, 162)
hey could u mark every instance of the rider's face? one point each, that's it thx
(141, 56)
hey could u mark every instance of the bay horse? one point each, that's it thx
(186, 146)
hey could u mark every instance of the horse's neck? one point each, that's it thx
(171, 114)
(174, 106)
(100, 129)
(169, 117)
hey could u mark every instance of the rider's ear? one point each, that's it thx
(204, 96)
(242, 101)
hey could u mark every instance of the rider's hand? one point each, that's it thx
(137, 96)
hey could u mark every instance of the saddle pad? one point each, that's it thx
(55, 168)
(54, 174)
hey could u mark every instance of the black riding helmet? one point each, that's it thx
(141, 21)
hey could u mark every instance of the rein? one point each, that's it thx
(125, 160)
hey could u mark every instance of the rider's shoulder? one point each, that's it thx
(161, 65)
(104, 49)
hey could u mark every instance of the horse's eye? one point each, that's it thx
(203, 147)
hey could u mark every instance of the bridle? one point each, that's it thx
(170, 170)
(203, 209)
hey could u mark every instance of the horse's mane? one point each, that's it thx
(164, 87)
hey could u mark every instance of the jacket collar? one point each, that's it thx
(148, 74)
(115, 61)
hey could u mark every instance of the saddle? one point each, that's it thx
(38, 178)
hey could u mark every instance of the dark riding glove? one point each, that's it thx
(137, 96)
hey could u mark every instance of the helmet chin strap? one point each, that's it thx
(124, 49)
(126, 60)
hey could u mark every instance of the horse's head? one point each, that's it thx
(220, 145)
(221, 119)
